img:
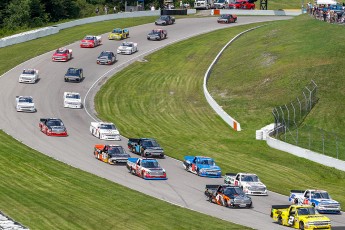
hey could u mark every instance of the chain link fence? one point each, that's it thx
(289, 127)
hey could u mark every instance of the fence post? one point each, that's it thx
(323, 142)
(300, 109)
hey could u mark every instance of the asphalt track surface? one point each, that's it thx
(181, 188)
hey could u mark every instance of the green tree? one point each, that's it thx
(38, 16)
(17, 14)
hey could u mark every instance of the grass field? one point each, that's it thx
(163, 98)
(42, 193)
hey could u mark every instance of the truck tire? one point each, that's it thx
(131, 170)
(301, 225)
(187, 168)
(280, 220)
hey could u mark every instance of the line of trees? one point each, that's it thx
(24, 14)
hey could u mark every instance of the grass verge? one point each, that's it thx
(163, 98)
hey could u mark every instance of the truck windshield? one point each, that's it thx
(306, 211)
(233, 191)
(250, 178)
(320, 195)
(206, 161)
(115, 150)
(107, 126)
(220, 1)
(150, 143)
(150, 164)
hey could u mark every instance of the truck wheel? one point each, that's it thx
(301, 225)
(280, 220)
(187, 168)
(295, 201)
(132, 171)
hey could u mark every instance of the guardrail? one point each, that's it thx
(34, 34)
(305, 153)
(217, 108)
(257, 12)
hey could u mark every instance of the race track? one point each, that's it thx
(182, 188)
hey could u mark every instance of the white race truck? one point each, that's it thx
(147, 168)
(72, 100)
(28, 76)
(105, 131)
(203, 4)
(249, 182)
(25, 104)
(320, 199)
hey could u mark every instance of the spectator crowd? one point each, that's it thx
(327, 13)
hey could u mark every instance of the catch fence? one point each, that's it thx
(289, 126)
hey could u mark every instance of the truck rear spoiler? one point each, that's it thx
(212, 186)
(133, 159)
(99, 146)
(297, 191)
(282, 206)
(230, 174)
(136, 140)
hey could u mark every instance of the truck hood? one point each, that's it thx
(59, 55)
(87, 41)
(26, 104)
(326, 201)
(109, 131)
(57, 128)
(257, 184)
(317, 217)
(208, 167)
(73, 100)
(124, 48)
(154, 148)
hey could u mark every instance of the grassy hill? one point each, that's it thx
(163, 98)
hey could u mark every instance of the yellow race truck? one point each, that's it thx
(299, 217)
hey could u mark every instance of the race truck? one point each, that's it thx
(106, 58)
(165, 20)
(29, 76)
(111, 154)
(202, 166)
(146, 147)
(147, 168)
(72, 100)
(249, 182)
(228, 196)
(25, 104)
(118, 34)
(74, 74)
(320, 199)
(62, 54)
(90, 41)
(53, 127)
(127, 48)
(299, 217)
(105, 131)
(157, 34)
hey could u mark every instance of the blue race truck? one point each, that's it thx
(202, 166)
(146, 147)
